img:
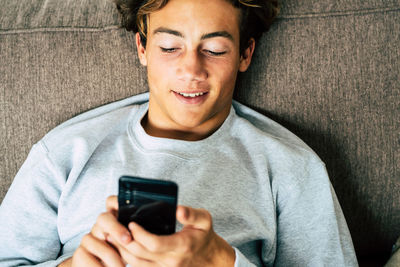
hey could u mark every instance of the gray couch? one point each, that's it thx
(327, 70)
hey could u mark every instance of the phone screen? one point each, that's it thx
(149, 202)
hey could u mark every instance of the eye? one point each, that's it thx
(168, 50)
(215, 53)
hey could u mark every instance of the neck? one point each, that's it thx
(187, 134)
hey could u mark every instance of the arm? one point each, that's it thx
(312, 230)
(29, 214)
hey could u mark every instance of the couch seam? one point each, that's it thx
(59, 29)
(117, 27)
(339, 13)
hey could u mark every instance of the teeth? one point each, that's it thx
(191, 95)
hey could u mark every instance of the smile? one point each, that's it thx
(191, 98)
(191, 95)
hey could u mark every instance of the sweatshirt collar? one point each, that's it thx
(180, 148)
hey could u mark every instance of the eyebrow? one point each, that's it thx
(224, 34)
(169, 31)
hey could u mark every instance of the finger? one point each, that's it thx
(155, 246)
(102, 250)
(151, 242)
(112, 203)
(138, 250)
(82, 257)
(108, 224)
(137, 261)
(198, 218)
(135, 251)
(98, 232)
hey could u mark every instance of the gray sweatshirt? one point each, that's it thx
(268, 193)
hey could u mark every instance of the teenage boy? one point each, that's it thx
(251, 193)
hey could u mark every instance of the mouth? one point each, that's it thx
(191, 97)
(191, 94)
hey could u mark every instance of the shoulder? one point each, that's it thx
(293, 168)
(284, 154)
(89, 128)
(268, 131)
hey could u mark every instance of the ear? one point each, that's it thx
(245, 57)
(141, 50)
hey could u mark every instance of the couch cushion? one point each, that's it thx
(41, 14)
(328, 70)
(394, 260)
(59, 58)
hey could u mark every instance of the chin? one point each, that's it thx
(188, 125)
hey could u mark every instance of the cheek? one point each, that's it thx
(225, 74)
(159, 72)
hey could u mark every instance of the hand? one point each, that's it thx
(196, 245)
(94, 249)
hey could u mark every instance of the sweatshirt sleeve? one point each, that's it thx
(312, 230)
(28, 213)
(241, 260)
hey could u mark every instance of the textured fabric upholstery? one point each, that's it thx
(394, 260)
(328, 70)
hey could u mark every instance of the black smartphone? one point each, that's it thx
(149, 202)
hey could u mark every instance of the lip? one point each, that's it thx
(191, 100)
(191, 91)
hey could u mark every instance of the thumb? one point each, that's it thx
(196, 218)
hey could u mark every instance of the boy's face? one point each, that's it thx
(192, 58)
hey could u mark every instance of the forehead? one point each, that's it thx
(197, 17)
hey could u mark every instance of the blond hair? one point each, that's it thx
(256, 16)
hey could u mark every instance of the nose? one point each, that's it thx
(191, 67)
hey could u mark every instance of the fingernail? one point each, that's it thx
(131, 225)
(126, 238)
